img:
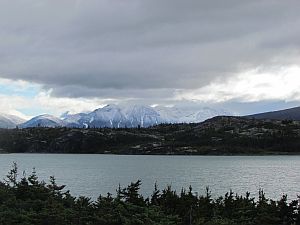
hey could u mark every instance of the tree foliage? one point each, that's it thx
(27, 201)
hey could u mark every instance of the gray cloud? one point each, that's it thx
(142, 49)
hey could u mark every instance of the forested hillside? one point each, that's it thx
(220, 135)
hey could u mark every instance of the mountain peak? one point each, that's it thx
(113, 115)
(44, 120)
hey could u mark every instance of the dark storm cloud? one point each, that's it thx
(134, 48)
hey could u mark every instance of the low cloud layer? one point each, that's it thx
(253, 86)
(151, 50)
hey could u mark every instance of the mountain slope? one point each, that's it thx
(177, 115)
(286, 114)
(115, 116)
(10, 121)
(108, 116)
(143, 116)
(43, 121)
(72, 120)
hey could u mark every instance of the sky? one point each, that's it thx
(78, 55)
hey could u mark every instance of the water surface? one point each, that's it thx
(91, 175)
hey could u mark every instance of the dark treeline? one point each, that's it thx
(217, 136)
(27, 200)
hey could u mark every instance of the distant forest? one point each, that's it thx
(28, 201)
(217, 136)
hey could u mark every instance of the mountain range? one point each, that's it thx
(134, 116)
(116, 116)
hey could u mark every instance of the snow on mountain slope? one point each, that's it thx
(108, 116)
(72, 120)
(144, 116)
(177, 115)
(43, 121)
(192, 116)
(170, 114)
(15, 119)
(10, 121)
(116, 116)
(207, 113)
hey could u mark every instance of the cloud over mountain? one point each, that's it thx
(133, 48)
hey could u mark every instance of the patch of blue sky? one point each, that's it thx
(29, 91)
(33, 111)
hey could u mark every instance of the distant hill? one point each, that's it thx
(43, 121)
(286, 114)
(9, 121)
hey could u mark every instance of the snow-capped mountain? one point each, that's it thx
(116, 116)
(108, 116)
(10, 121)
(44, 121)
(207, 113)
(72, 120)
(172, 114)
(200, 115)
(177, 115)
(144, 116)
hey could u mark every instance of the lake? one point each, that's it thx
(91, 175)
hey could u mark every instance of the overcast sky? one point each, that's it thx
(57, 55)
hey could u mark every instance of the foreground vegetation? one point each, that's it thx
(30, 201)
(217, 136)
